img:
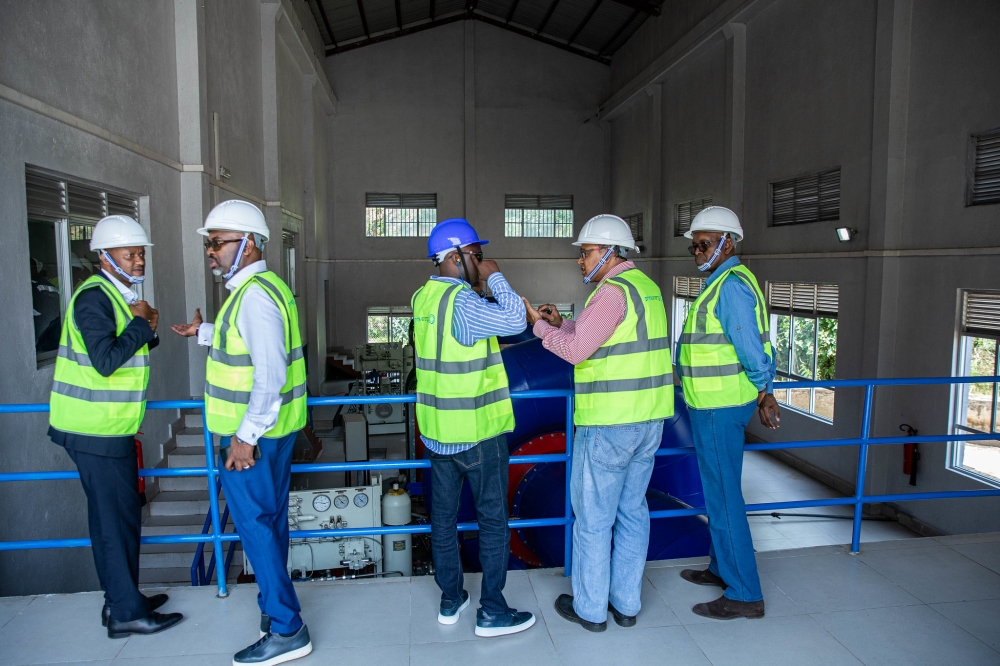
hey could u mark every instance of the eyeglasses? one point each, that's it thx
(702, 246)
(217, 244)
(585, 253)
(477, 255)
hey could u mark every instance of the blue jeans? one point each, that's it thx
(484, 466)
(258, 501)
(611, 470)
(719, 435)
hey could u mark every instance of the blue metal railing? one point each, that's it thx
(217, 536)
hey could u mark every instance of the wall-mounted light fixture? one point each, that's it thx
(845, 234)
(224, 173)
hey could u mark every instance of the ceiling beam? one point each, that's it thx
(644, 7)
(548, 15)
(399, 16)
(542, 38)
(513, 8)
(326, 21)
(585, 21)
(618, 33)
(396, 33)
(364, 19)
(432, 10)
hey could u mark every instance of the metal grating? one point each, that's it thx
(685, 211)
(813, 197)
(981, 312)
(688, 287)
(385, 200)
(538, 201)
(984, 184)
(802, 297)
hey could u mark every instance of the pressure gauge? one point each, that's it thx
(341, 501)
(361, 500)
(321, 503)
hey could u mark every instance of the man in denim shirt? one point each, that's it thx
(726, 366)
(620, 347)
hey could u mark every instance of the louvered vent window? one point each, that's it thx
(686, 290)
(538, 216)
(635, 224)
(289, 240)
(984, 179)
(400, 215)
(62, 212)
(685, 211)
(804, 334)
(688, 287)
(976, 406)
(814, 197)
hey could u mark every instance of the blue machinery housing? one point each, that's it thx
(217, 536)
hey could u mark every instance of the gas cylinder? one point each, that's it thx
(397, 549)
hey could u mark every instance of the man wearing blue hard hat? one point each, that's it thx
(464, 412)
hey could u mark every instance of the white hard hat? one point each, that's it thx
(236, 215)
(716, 218)
(607, 230)
(118, 231)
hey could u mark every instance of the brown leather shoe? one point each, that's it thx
(729, 609)
(700, 577)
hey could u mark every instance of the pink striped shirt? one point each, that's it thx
(576, 341)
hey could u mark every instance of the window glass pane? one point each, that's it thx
(982, 457)
(538, 223)
(428, 218)
(781, 341)
(781, 395)
(564, 223)
(980, 396)
(512, 223)
(824, 403)
(83, 262)
(826, 354)
(399, 222)
(378, 329)
(804, 348)
(799, 399)
(45, 301)
(399, 329)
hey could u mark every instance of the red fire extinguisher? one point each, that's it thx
(911, 454)
(142, 479)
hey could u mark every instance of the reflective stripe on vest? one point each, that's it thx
(82, 400)
(462, 392)
(628, 379)
(710, 371)
(229, 369)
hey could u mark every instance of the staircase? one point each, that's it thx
(180, 508)
(340, 364)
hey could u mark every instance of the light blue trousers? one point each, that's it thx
(719, 435)
(611, 470)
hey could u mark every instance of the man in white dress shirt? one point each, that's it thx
(255, 397)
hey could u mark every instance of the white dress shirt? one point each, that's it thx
(129, 295)
(262, 328)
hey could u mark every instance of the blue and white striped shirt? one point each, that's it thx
(478, 319)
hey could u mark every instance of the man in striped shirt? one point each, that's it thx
(464, 412)
(620, 347)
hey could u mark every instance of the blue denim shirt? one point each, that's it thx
(735, 311)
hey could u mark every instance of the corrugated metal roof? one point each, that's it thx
(590, 28)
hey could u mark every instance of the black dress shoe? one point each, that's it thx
(621, 619)
(155, 602)
(564, 606)
(724, 608)
(702, 577)
(151, 624)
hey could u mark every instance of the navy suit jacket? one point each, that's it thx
(94, 315)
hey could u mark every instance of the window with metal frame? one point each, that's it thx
(975, 406)
(400, 215)
(289, 240)
(538, 216)
(685, 211)
(686, 291)
(61, 214)
(984, 168)
(389, 323)
(804, 333)
(811, 197)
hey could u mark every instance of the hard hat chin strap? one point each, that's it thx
(118, 269)
(236, 260)
(604, 259)
(707, 266)
(463, 269)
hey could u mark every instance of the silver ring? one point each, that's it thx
(246, 466)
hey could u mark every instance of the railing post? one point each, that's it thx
(568, 550)
(859, 484)
(213, 501)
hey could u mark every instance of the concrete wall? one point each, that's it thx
(889, 91)
(470, 112)
(151, 77)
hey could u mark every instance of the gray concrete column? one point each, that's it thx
(736, 95)
(471, 204)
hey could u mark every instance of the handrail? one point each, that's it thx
(218, 537)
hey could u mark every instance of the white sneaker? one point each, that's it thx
(450, 615)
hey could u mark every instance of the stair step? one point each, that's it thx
(183, 482)
(194, 437)
(181, 558)
(181, 575)
(192, 420)
(187, 456)
(181, 502)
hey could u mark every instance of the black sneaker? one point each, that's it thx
(510, 622)
(276, 649)
(564, 606)
(621, 619)
(265, 625)
(450, 609)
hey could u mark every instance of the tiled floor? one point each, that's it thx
(906, 602)
(766, 479)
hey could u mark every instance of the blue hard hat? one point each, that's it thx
(447, 234)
